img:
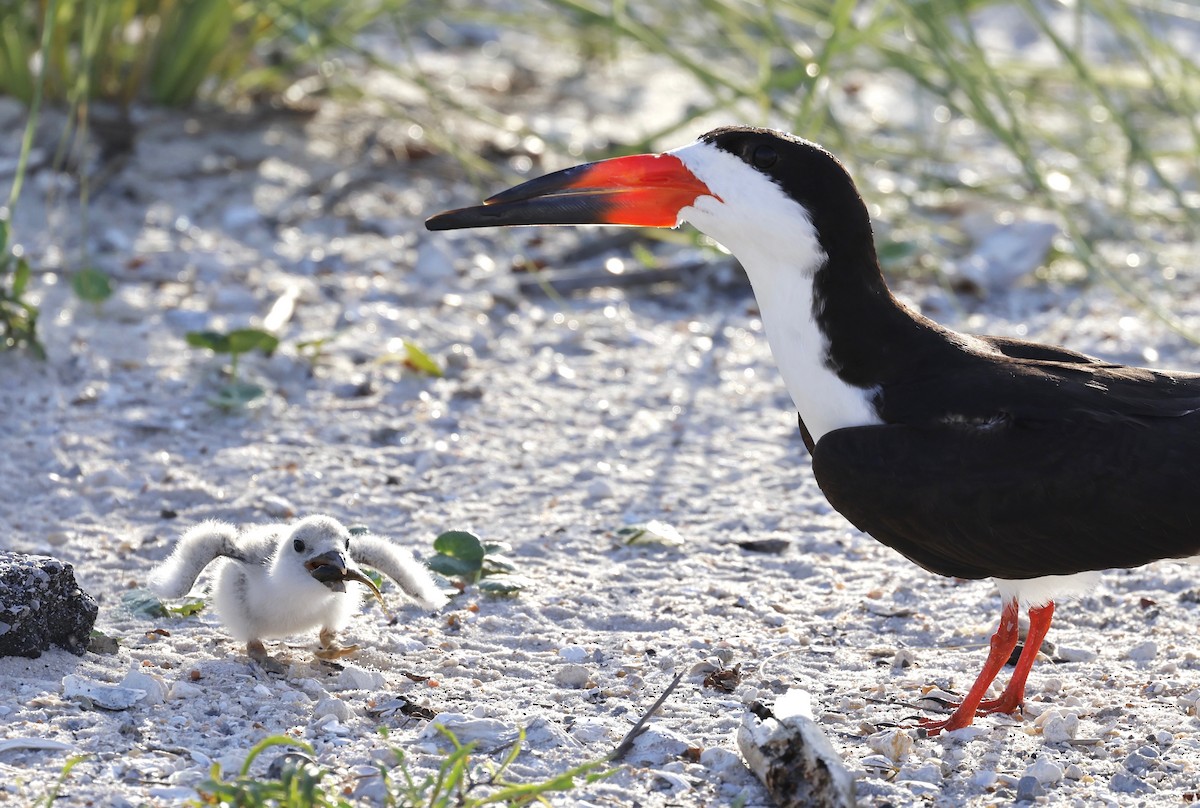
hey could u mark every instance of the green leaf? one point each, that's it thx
(20, 278)
(504, 584)
(91, 285)
(213, 340)
(187, 607)
(252, 339)
(460, 544)
(143, 603)
(454, 567)
(418, 360)
(497, 547)
(497, 564)
(375, 577)
(235, 342)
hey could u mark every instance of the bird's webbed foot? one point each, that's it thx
(330, 650)
(258, 653)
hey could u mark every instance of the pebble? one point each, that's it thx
(929, 773)
(1142, 760)
(1029, 789)
(877, 762)
(1067, 654)
(141, 679)
(984, 779)
(656, 746)
(919, 788)
(590, 730)
(1126, 783)
(174, 795)
(572, 676)
(332, 706)
(491, 733)
(671, 782)
(1058, 727)
(184, 690)
(278, 507)
(1045, 771)
(1143, 651)
(599, 489)
(573, 653)
(894, 744)
(722, 762)
(352, 677)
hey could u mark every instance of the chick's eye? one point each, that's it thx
(764, 157)
(298, 545)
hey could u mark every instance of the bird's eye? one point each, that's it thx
(764, 157)
(298, 544)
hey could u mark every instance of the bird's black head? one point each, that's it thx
(807, 174)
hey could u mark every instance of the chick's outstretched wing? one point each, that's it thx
(199, 546)
(398, 564)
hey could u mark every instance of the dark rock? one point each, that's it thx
(1029, 789)
(41, 605)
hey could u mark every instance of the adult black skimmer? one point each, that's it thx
(973, 456)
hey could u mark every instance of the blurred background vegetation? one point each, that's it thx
(1102, 129)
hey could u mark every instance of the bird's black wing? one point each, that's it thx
(1025, 381)
(1023, 349)
(1020, 498)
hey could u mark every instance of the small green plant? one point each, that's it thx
(462, 555)
(237, 393)
(298, 784)
(457, 782)
(18, 317)
(91, 285)
(165, 51)
(314, 349)
(414, 359)
(71, 763)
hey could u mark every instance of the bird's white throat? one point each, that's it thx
(774, 239)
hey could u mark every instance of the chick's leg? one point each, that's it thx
(329, 648)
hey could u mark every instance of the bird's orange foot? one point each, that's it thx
(1009, 705)
(962, 717)
(957, 720)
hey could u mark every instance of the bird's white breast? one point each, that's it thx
(774, 239)
(254, 605)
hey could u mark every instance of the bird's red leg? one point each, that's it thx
(1014, 695)
(1003, 643)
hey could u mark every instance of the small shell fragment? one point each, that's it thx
(97, 694)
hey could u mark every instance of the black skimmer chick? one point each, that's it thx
(278, 580)
(973, 456)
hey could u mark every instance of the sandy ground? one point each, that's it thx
(558, 423)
